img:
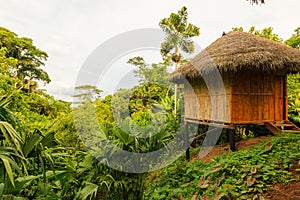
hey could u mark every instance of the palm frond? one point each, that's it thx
(5, 113)
(6, 156)
(30, 143)
(187, 46)
(178, 31)
(191, 31)
(88, 192)
(11, 136)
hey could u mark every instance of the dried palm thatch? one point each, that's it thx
(237, 51)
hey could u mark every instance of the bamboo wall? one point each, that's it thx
(198, 99)
(248, 98)
(258, 97)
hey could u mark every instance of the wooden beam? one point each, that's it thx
(202, 134)
(208, 123)
(285, 103)
(271, 127)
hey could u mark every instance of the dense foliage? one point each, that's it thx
(245, 174)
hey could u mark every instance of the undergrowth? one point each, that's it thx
(245, 174)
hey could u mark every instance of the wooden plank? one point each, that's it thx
(291, 131)
(208, 122)
(228, 107)
(282, 124)
(272, 128)
(285, 101)
(279, 98)
(258, 94)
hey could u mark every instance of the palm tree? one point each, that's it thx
(178, 37)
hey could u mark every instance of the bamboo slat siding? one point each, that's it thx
(198, 100)
(249, 98)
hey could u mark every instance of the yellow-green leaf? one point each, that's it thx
(8, 171)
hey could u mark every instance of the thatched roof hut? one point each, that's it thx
(241, 51)
(253, 86)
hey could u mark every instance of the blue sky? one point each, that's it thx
(69, 30)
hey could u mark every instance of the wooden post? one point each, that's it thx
(231, 134)
(186, 138)
(285, 100)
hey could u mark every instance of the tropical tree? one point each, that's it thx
(265, 32)
(178, 37)
(29, 59)
(294, 41)
(151, 73)
(6, 63)
(87, 93)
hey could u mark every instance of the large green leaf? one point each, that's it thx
(21, 183)
(6, 156)
(8, 170)
(1, 190)
(49, 140)
(30, 143)
(90, 190)
(5, 113)
(11, 136)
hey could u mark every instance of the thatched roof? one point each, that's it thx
(241, 51)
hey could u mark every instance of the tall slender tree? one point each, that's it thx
(178, 37)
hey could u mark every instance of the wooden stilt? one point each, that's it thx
(187, 154)
(186, 132)
(231, 134)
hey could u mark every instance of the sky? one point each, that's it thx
(70, 30)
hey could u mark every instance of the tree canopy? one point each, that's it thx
(87, 93)
(294, 41)
(265, 32)
(154, 73)
(179, 33)
(29, 59)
